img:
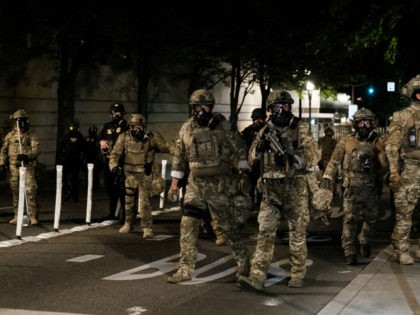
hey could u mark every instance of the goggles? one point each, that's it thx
(279, 107)
(366, 123)
(199, 107)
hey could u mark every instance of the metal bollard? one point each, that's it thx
(58, 196)
(162, 194)
(89, 193)
(21, 204)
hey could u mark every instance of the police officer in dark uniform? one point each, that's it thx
(94, 154)
(72, 149)
(108, 135)
(258, 117)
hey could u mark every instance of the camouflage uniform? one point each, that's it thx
(362, 160)
(138, 155)
(206, 150)
(284, 187)
(403, 152)
(10, 151)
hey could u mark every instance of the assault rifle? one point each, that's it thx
(275, 143)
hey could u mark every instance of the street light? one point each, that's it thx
(310, 87)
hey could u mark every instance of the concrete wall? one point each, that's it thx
(95, 93)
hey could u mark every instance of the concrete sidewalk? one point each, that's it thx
(383, 287)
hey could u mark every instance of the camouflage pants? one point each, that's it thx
(138, 185)
(406, 200)
(208, 193)
(293, 199)
(360, 206)
(31, 189)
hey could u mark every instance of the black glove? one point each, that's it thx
(117, 170)
(263, 145)
(23, 158)
(148, 169)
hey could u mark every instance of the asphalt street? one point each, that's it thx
(92, 269)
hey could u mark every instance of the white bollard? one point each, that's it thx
(162, 194)
(89, 193)
(58, 196)
(21, 204)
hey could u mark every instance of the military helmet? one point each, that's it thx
(258, 113)
(202, 97)
(20, 113)
(412, 86)
(117, 107)
(363, 114)
(136, 119)
(279, 96)
(321, 199)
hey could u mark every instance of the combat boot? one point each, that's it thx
(365, 250)
(147, 233)
(14, 220)
(34, 221)
(405, 259)
(295, 282)
(251, 283)
(351, 260)
(126, 228)
(220, 240)
(180, 276)
(243, 270)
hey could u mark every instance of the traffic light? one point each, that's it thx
(371, 90)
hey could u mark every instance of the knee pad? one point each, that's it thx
(193, 211)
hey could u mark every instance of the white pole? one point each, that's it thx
(162, 194)
(58, 195)
(21, 204)
(89, 193)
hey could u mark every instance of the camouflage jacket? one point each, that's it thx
(12, 146)
(134, 153)
(301, 152)
(208, 151)
(398, 146)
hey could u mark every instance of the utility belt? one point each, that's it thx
(134, 168)
(411, 161)
(222, 169)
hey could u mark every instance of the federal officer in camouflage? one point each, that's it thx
(362, 158)
(206, 148)
(286, 152)
(21, 148)
(403, 152)
(136, 147)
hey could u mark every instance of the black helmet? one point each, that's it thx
(73, 125)
(117, 108)
(258, 113)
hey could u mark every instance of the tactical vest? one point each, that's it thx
(411, 138)
(277, 166)
(137, 153)
(360, 158)
(209, 152)
(15, 146)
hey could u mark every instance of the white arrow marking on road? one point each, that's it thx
(85, 258)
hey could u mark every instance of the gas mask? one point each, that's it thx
(282, 116)
(23, 124)
(202, 117)
(363, 129)
(137, 133)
